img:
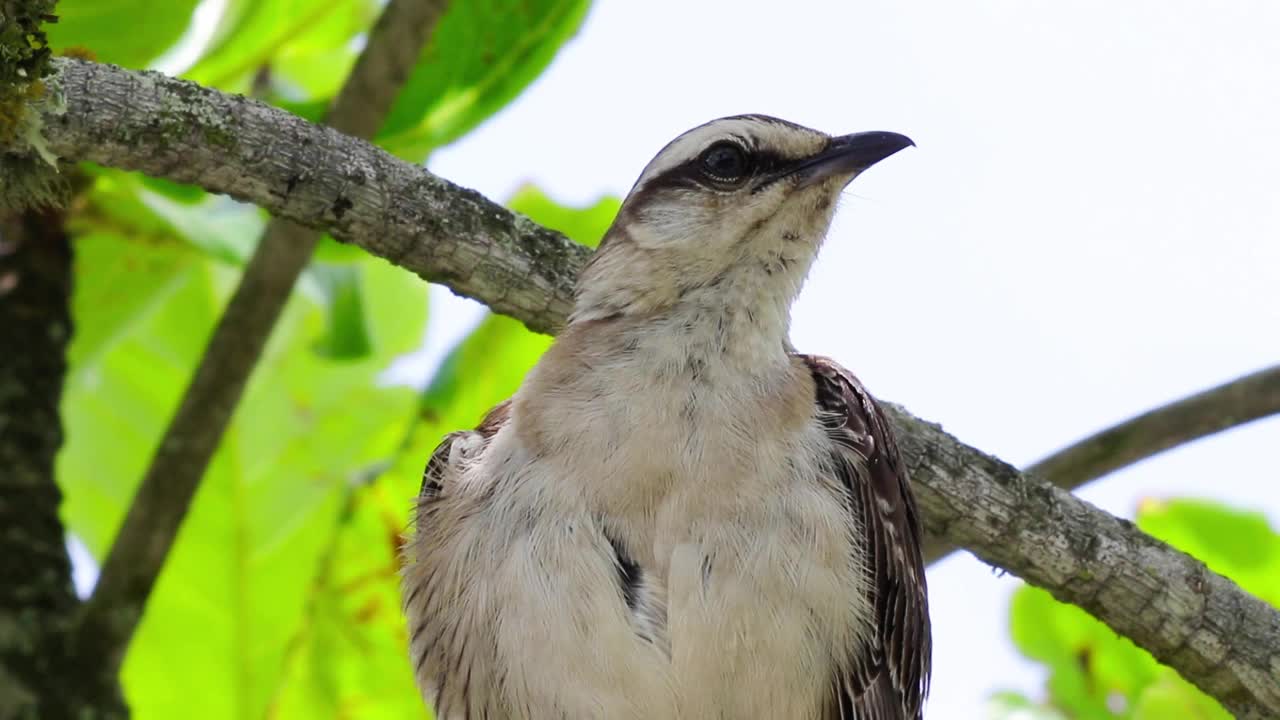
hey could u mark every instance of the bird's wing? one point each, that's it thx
(433, 586)
(458, 447)
(888, 678)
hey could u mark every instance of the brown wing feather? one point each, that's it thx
(434, 474)
(443, 661)
(887, 680)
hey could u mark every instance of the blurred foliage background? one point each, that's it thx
(280, 599)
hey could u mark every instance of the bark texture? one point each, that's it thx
(318, 178)
(1241, 401)
(1217, 636)
(1222, 639)
(37, 600)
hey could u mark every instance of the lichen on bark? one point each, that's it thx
(30, 178)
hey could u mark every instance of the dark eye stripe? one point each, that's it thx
(688, 174)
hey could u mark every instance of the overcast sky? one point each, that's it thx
(1090, 225)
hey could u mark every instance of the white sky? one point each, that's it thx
(1089, 227)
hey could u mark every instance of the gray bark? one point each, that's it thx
(1241, 401)
(318, 178)
(1220, 638)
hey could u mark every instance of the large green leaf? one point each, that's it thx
(483, 53)
(315, 63)
(585, 225)
(346, 335)
(1239, 544)
(348, 657)
(160, 211)
(1093, 673)
(241, 576)
(283, 36)
(131, 33)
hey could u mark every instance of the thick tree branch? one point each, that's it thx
(1222, 639)
(318, 178)
(1203, 625)
(143, 542)
(37, 601)
(1211, 411)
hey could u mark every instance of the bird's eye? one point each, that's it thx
(725, 162)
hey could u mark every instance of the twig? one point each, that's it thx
(1201, 624)
(162, 500)
(1211, 411)
(1240, 401)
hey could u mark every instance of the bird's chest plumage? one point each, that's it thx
(716, 494)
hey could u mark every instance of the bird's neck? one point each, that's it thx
(739, 325)
(740, 316)
(632, 402)
(735, 321)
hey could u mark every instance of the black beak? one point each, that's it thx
(849, 155)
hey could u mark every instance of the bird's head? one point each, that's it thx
(732, 211)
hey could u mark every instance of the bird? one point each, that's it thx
(678, 515)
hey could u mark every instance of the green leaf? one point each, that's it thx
(482, 55)
(255, 34)
(364, 304)
(1068, 641)
(221, 227)
(242, 575)
(1095, 673)
(122, 384)
(178, 192)
(131, 33)
(1012, 706)
(585, 225)
(160, 211)
(1172, 697)
(332, 251)
(349, 657)
(346, 335)
(315, 63)
(1241, 545)
(481, 372)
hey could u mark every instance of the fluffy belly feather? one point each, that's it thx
(728, 615)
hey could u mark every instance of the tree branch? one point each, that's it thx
(161, 502)
(1199, 623)
(1211, 411)
(1203, 625)
(318, 178)
(1240, 401)
(37, 600)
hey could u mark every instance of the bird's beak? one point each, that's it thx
(849, 155)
